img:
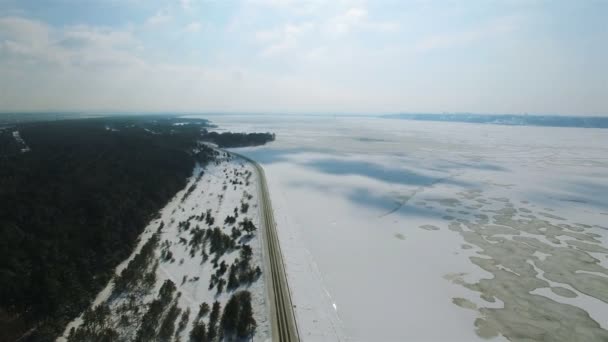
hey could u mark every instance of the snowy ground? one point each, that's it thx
(398, 230)
(21, 142)
(212, 193)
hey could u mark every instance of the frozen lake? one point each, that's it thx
(399, 230)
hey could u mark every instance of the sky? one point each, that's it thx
(288, 56)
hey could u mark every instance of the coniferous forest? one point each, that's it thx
(74, 203)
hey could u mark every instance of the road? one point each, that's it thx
(282, 318)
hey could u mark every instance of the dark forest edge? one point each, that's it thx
(74, 203)
(229, 139)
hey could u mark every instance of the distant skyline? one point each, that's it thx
(287, 56)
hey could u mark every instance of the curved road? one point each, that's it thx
(282, 318)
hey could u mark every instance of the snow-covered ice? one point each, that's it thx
(399, 230)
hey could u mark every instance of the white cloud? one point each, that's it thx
(317, 54)
(347, 21)
(309, 38)
(285, 4)
(282, 39)
(302, 55)
(21, 29)
(159, 18)
(28, 40)
(186, 4)
(466, 37)
(357, 19)
(101, 37)
(194, 27)
(80, 46)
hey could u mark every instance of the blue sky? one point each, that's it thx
(287, 56)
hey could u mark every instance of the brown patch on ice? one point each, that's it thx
(555, 217)
(464, 303)
(447, 202)
(510, 245)
(399, 236)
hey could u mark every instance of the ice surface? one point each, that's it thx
(356, 201)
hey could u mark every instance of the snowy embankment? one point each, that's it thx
(21, 142)
(398, 230)
(204, 242)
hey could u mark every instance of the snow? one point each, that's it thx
(350, 195)
(206, 196)
(21, 142)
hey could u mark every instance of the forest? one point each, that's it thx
(74, 204)
(230, 139)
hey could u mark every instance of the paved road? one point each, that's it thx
(283, 322)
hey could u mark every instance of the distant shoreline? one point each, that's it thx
(493, 119)
(510, 119)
